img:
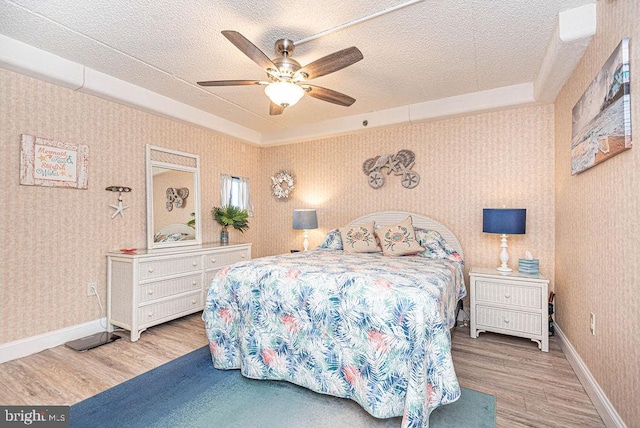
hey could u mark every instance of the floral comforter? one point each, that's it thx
(367, 327)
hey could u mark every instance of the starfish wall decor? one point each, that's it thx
(119, 208)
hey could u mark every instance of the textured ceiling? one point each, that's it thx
(426, 51)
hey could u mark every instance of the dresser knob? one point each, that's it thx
(243, 256)
(506, 320)
(150, 291)
(150, 270)
(193, 301)
(195, 263)
(194, 282)
(507, 295)
(150, 314)
(213, 260)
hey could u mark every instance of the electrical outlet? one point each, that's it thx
(92, 288)
(592, 323)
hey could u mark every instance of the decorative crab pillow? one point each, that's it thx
(359, 239)
(435, 247)
(333, 240)
(399, 239)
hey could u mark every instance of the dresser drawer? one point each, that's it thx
(170, 308)
(168, 287)
(158, 268)
(507, 293)
(522, 322)
(219, 259)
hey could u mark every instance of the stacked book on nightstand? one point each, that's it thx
(529, 266)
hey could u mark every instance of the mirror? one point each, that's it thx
(173, 198)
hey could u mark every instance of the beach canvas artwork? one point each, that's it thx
(601, 123)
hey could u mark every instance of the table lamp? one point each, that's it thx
(505, 221)
(305, 220)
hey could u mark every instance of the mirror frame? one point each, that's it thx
(189, 158)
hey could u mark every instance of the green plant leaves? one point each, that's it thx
(229, 215)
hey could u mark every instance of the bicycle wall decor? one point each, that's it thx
(398, 164)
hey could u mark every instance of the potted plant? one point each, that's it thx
(228, 215)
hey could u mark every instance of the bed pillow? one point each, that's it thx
(359, 239)
(435, 247)
(333, 240)
(399, 239)
(170, 237)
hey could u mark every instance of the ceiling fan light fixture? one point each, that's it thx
(284, 94)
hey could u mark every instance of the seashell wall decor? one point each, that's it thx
(282, 184)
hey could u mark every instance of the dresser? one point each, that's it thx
(512, 303)
(155, 286)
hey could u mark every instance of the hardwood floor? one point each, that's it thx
(533, 388)
(62, 376)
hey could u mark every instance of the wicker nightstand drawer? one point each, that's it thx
(522, 322)
(508, 293)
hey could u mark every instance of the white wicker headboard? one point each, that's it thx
(177, 228)
(385, 218)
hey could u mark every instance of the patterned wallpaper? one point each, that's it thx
(61, 235)
(465, 164)
(597, 228)
(55, 239)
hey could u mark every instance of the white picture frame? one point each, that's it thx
(49, 163)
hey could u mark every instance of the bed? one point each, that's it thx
(174, 232)
(365, 326)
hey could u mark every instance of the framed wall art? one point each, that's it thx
(601, 124)
(49, 163)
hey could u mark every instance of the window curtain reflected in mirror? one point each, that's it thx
(236, 191)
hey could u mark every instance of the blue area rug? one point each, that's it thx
(189, 392)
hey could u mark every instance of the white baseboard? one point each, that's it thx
(32, 345)
(605, 409)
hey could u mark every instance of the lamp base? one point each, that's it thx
(504, 255)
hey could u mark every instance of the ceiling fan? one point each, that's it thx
(287, 78)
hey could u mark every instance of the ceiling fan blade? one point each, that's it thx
(275, 109)
(329, 95)
(330, 63)
(232, 83)
(250, 50)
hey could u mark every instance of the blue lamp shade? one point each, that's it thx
(305, 219)
(506, 221)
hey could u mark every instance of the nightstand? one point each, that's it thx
(512, 303)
